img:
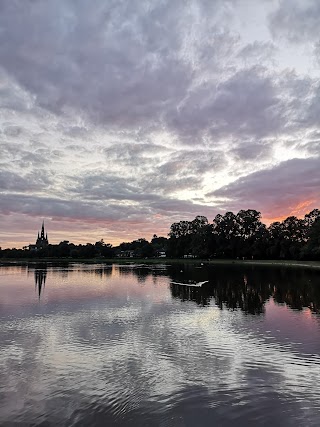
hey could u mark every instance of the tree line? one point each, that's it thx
(240, 235)
(243, 235)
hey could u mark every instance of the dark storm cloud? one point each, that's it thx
(288, 184)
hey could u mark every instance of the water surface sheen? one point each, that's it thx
(138, 345)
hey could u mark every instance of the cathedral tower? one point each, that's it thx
(42, 240)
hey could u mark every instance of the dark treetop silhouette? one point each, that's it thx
(232, 236)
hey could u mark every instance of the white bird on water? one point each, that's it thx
(196, 284)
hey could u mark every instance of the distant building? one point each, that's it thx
(42, 240)
(126, 254)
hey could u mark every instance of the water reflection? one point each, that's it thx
(63, 271)
(40, 276)
(123, 345)
(231, 288)
(142, 271)
(249, 291)
(232, 295)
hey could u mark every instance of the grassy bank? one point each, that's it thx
(284, 263)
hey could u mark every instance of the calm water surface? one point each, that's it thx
(93, 345)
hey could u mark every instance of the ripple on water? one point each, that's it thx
(132, 354)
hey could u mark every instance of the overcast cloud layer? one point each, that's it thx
(118, 118)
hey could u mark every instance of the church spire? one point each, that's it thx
(42, 240)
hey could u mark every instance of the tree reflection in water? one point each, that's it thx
(250, 288)
(246, 288)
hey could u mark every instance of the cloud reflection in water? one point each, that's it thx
(120, 345)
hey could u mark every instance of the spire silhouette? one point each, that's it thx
(42, 239)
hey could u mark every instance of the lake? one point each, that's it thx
(159, 345)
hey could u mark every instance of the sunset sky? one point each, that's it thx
(119, 118)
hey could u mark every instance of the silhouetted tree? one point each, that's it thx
(228, 236)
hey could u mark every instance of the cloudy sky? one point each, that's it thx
(120, 117)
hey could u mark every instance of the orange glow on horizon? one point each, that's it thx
(301, 209)
(116, 232)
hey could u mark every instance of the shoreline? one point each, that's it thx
(271, 263)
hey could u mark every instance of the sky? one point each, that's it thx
(118, 118)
